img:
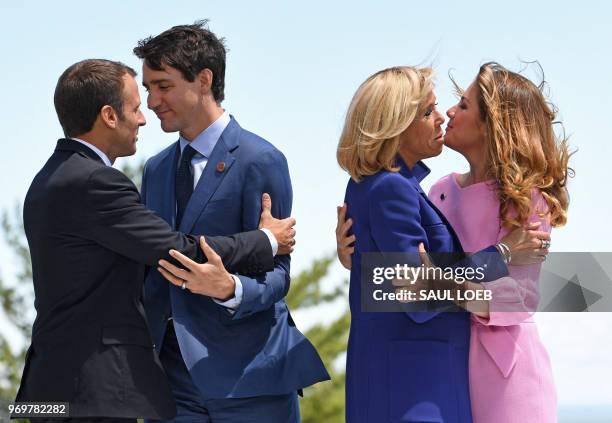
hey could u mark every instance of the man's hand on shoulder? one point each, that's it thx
(210, 279)
(282, 229)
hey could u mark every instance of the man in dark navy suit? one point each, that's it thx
(90, 239)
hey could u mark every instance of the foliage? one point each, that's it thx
(16, 300)
(323, 402)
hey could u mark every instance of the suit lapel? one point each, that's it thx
(414, 178)
(219, 163)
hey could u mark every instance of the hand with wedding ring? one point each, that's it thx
(210, 279)
(527, 244)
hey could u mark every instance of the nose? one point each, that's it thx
(439, 118)
(451, 112)
(141, 119)
(153, 100)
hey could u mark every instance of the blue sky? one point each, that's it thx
(292, 69)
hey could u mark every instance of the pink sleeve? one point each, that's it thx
(516, 297)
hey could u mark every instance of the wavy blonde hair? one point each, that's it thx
(381, 109)
(523, 151)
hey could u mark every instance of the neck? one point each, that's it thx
(408, 159)
(206, 118)
(99, 142)
(478, 168)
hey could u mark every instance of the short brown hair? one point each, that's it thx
(190, 49)
(84, 88)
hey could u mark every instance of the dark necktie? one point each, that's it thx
(183, 187)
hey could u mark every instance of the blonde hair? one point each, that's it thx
(523, 151)
(381, 109)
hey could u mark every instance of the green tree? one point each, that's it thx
(17, 306)
(323, 402)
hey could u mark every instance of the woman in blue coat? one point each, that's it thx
(401, 366)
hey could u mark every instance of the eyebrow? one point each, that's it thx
(155, 82)
(431, 103)
(464, 98)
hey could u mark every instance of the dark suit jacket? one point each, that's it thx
(90, 239)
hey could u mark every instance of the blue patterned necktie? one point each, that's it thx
(183, 187)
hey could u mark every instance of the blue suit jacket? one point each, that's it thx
(258, 350)
(411, 366)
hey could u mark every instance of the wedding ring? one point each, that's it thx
(545, 244)
(183, 285)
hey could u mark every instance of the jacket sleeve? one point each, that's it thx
(120, 222)
(269, 173)
(515, 297)
(489, 259)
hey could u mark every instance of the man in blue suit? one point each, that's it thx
(235, 356)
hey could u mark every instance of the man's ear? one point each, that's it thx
(109, 117)
(205, 77)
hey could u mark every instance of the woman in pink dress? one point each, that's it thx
(503, 126)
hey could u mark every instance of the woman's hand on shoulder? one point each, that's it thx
(527, 245)
(344, 242)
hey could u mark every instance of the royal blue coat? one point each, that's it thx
(405, 366)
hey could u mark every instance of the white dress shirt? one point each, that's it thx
(96, 150)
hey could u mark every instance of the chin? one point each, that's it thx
(449, 143)
(437, 152)
(168, 127)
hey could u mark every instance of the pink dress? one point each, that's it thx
(510, 373)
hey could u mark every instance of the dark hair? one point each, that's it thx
(190, 49)
(84, 88)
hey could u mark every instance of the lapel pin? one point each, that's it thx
(442, 196)
(220, 167)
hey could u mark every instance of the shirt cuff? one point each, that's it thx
(233, 303)
(273, 241)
